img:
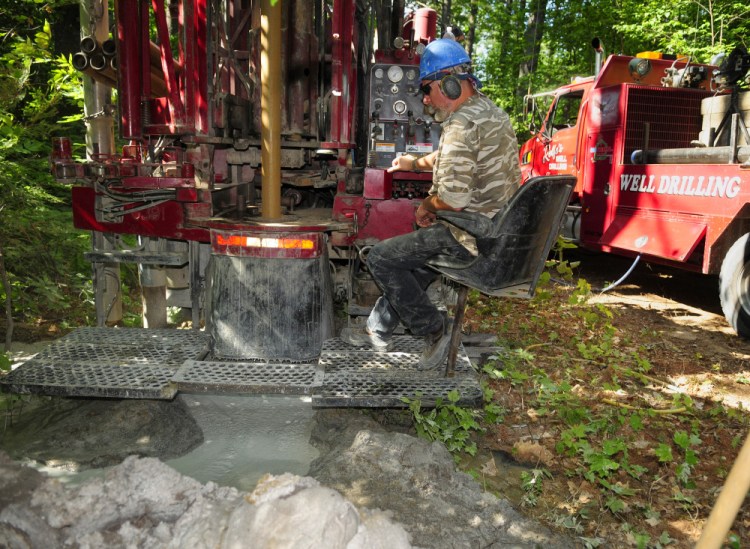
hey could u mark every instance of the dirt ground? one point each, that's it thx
(701, 353)
(677, 318)
(674, 319)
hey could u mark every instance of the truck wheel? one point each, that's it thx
(734, 286)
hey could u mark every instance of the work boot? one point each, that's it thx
(360, 337)
(436, 347)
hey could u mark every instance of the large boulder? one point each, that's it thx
(78, 434)
(144, 503)
(418, 482)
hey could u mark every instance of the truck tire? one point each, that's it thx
(734, 286)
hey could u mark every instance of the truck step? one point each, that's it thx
(172, 259)
(158, 364)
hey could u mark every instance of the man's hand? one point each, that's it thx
(403, 162)
(424, 217)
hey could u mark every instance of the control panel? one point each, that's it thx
(398, 123)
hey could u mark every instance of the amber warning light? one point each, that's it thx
(286, 245)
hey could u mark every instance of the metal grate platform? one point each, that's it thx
(206, 376)
(143, 363)
(109, 362)
(356, 377)
(362, 390)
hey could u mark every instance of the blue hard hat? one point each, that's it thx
(440, 55)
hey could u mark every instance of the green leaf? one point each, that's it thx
(613, 446)
(4, 362)
(636, 422)
(664, 453)
(615, 504)
(682, 439)
(683, 473)
(666, 539)
(602, 465)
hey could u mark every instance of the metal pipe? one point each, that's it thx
(80, 61)
(298, 81)
(107, 71)
(88, 44)
(128, 34)
(100, 140)
(104, 71)
(596, 43)
(109, 49)
(154, 54)
(100, 76)
(707, 155)
(97, 61)
(158, 84)
(270, 77)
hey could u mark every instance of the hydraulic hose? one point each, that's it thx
(623, 277)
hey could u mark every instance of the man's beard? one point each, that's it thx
(439, 115)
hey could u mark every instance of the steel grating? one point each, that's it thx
(91, 380)
(139, 336)
(109, 362)
(388, 391)
(147, 363)
(208, 376)
(123, 355)
(357, 377)
(391, 361)
(401, 344)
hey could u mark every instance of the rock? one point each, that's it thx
(79, 434)
(418, 483)
(144, 503)
(372, 488)
(16, 482)
(303, 515)
(20, 527)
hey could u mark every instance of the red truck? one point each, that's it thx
(661, 152)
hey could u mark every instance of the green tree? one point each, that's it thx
(40, 96)
(537, 45)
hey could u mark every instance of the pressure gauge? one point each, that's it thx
(378, 73)
(395, 73)
(399, 107)
(411, 74)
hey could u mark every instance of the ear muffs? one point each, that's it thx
(450, 86)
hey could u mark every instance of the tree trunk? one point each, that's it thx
(472, 30)
(8, 301)
(510, 23)
(446, 17)
(532, 42)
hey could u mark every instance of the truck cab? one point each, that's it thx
(554, 148)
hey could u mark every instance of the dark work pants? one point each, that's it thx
(398, 267)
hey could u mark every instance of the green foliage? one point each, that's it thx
(532, 483)
(564, 50)
(590, 389)
(447, 422)
(40, 96)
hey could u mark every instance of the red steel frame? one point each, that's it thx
(185, 111)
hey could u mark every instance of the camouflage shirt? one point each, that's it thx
(476, 168)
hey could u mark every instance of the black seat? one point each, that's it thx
(513, 246)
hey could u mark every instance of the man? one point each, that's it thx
(475, 168)
(455, 33)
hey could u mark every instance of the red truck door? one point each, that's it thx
(556, 149)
